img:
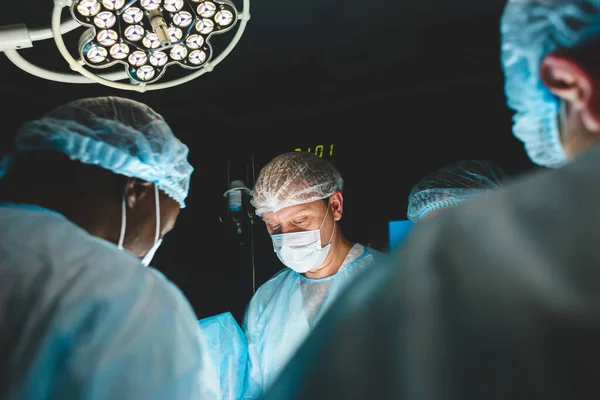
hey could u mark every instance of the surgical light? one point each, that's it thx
(158, 59)
(146, 37)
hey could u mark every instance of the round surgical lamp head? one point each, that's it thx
(149, 36)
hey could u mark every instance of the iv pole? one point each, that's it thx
(238, 213)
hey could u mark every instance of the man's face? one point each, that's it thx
(299, 218)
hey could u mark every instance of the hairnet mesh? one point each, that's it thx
(530, 30)
(120, 135)
(294, 178)
(452, 185)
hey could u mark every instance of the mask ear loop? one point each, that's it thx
(123, 223)
(324, 218)
(332, 232)
(124, 219)
(326, 212)
(157, 207)
(562, 120)
(157, 239)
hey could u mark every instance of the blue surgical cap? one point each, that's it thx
(530, 30)
(117, 134)
(452, 185)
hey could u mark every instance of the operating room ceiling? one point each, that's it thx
(298, 54)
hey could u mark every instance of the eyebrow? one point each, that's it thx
(299, 213)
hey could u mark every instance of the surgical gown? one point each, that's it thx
(226, 357)
(81, 319)
(496, 299)
(285, 309)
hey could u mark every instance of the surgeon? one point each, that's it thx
(497, 299)
(86, 197)
(452, 185)
(299, 197)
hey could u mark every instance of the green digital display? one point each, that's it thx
(321, 150)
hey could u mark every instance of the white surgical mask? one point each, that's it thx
(302, 251)
(157, 239)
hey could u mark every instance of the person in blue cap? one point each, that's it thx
(452, 185)
(551, 79)
(499, 298)
(86, 197)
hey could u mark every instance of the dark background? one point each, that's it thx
(400, 88)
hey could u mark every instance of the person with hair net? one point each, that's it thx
(551, 78)
(452, 185)
(86, 197)
(299, 197)
(497, 299)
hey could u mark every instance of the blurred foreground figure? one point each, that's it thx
(86, 197)
(498, 299)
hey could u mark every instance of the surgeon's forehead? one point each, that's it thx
(292, 212)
